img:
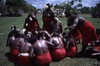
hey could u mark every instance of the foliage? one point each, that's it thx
(85, 10)
(15, 4)
(3, 8)
(96, 8)
(15, 7)
(29, 8)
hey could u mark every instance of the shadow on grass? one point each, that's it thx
(8, 55)
(87, 54)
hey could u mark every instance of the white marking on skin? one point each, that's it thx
(55, 39)
(30, 18)
(41, 43)
(26, 24)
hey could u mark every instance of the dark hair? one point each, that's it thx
(49, 6)
(72, 18)
(67, 14)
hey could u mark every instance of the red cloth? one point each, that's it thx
(46, 25)
(88, 32)
(32, 26)
(43, 59)
(97, 48)
(58, 54)
(72, 52)
(13, 56)
(77, 35)
(24, 61)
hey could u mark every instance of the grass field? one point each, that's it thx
(6, 22)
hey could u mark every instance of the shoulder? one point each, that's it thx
(28, 43)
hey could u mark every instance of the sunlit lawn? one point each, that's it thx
(6, 22)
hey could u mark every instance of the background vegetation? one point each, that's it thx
(16, 7)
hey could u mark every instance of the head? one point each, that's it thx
(13, 27)
(47, 6)
(19, 33)
(40, 33)
(68, 12)
(56, 19)
(65, 34)
(31, 16)
(28, 36)
(55, 33)
(14, 30)
(71, 19)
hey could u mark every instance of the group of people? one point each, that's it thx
(35, 46)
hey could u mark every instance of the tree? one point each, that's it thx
(15, 5)
(3, 8)
(96, 10)
(85, 9)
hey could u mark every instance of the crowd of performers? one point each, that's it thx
(35, 46)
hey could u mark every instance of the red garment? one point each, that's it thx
(72, 52)
(24, 61)
(31, 26)
(77, 35)
(58, 54)
(46, 25)
(43, 59)
(14, 54)
(88, 32)
(97, 48)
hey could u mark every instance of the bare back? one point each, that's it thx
(24, 47)
(57, 41)
(15, 43)
(40, 47)
(70, 42)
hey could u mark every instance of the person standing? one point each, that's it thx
(85, 27)
(47, 17)
(31, 23)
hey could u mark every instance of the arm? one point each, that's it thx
(31, 51)
(8, 39)
(52, 14)
(47, 35)
(73, 26)
(43, 15)
(50, 44)
(37, 24)
(60, 28)
(25, 24)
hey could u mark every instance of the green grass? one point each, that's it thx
(6, 22)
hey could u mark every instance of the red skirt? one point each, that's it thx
(14, 54)
(77, 35)
(32, 26)
(58, 54)
(72, 52)
(97, 48)
(46, 25)
(24, 61)
(88, 32)
(43, 59)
